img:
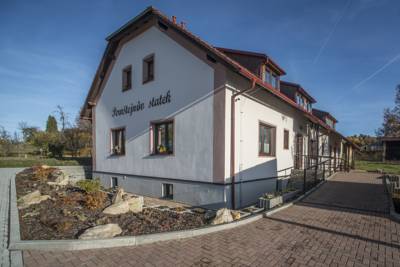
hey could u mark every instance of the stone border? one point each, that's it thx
(75, 244)
(14, 233)
(392, 211)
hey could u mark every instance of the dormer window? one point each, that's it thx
(275, 81)
(303, 102)
(330, 123)
(270, 77)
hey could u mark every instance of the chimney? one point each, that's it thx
(174, 19)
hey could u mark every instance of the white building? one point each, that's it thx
(178, 118)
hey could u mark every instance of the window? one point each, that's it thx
(275, 81)
(309, 107)
(266, 140)
(267, 75)
(285, 139)
(163, 138)
(114, 182)
(118, 141)
(148, 68)
(127, 78)
(330, 122)
(168, 191)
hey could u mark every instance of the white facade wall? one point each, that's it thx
(249, 165)
(191, 84)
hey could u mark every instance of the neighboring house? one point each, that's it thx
(175, 117)
(391, 148)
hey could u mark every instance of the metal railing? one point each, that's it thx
(303, 179)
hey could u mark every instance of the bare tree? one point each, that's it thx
(63, 116)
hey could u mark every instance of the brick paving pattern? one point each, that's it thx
(343, 223)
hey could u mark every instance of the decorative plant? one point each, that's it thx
(42, 174)
(89, 186)
(95, 200)
(269, 195)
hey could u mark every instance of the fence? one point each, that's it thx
(304, 179)
(290, 180)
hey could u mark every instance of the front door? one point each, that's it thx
(298, 160)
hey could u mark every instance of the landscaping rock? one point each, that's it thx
(117, 208)
(61, 179)
(235, 215)
(135, 203)
(223, 216)
(31, 214)
(118, 197)
(128, 203)
(102, 231)
(32, 198)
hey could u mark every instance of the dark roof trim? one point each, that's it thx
(325, 113)
(253, 54)
(301, 90)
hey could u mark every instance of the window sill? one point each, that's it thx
(161, 155)
(116, 155)
(266, 156)
(147, 81)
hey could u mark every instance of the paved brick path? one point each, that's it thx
(344, 223)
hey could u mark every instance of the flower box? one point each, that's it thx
(268, 203)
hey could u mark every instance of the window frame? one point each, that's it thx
(125, 77)
(163, 191)
(114, 178)
(286, 138)
(273, 140)
(146, 60)
(123, 129)
(153, 142)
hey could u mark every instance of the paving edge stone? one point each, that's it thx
(16, 259)
(76, 244)
(392, 212)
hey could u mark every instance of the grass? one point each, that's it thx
(14, 162)
(373, 166)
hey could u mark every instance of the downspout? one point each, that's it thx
(233, 97)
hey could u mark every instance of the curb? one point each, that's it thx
(75, 244)
(14, 233)
(392, 212)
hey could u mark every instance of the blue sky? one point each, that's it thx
(346, 53)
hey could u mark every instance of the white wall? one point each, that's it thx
(248, 114)
(190, 82)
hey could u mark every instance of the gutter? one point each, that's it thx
(232, 174)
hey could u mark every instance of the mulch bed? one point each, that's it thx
(65, 215)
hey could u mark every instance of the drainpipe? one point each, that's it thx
(233, 97)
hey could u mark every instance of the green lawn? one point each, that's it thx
(373, 166)
(11, 162)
